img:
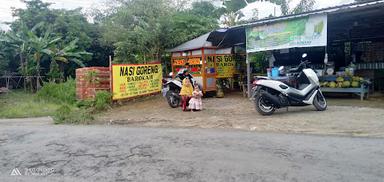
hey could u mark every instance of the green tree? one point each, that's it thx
(141, 30)
(67, 24)
(54, 74)
(18, 43)
(6, 54)
(232, 13)
(302, 6)
(35, 12)
(68, 53)
(205, 9)
(40, 47)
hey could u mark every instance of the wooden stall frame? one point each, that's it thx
(203, 56)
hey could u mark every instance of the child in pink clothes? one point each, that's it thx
(196, 103)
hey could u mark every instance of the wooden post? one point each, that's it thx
(203, 71)
(110, 75)
(248, 76)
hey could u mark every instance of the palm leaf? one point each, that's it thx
(61, 59)
(54, 41)
(78, 62)
(47, 52)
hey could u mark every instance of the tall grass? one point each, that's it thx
(18, 104)
(54, 99)
(59, 92)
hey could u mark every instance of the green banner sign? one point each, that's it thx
(310, 31)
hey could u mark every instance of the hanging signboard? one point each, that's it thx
(310, 31)
(225, 65)
(135, 80)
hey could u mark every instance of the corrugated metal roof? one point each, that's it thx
(196, 43)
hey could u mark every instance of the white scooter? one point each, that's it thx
(270, 95)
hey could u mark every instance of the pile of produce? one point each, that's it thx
(344, 82)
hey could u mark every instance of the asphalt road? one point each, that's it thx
(116, 153)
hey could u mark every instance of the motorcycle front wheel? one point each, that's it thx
(173, 101)
(263, 106)
(319, 102)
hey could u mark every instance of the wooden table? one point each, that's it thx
(362, 91)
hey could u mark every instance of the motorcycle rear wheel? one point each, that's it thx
(263, 106)
(172, 100)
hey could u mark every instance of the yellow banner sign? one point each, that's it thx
(179, 62)
(225, 66)
(135, 80)
(194, 61)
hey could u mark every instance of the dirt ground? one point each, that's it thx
(348, 116)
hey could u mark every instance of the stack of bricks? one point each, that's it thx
(90, 80)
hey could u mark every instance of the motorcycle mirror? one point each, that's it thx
(304, 55)
(326, 59)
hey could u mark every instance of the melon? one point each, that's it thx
(332, 84)
(346, 84)
(355, 84)
(340, 79)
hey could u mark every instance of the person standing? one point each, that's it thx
(186, 93)
(196, 104)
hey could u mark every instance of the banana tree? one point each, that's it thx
(67, 53)
(70, 53)
(17, 42)
(40, 46)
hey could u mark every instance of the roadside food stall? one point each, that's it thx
(207, 63)
(349, 36)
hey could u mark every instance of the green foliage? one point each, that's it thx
(4, 61)
(59, 92)
(232, 14)
(141, 30)
(84, 111)
(19, 104)
(303, 6)
(91, 77)
(41, 35)
(54, 73)
(68, 115)
(102, 100)
(184, 27)
(234, 5)
(205, 9)
(260, 61)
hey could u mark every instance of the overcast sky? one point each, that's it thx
(266, 10)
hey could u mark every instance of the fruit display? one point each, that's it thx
(355, 84)
(343, 82)
(346, 84)
(332, 84)
(340, 79)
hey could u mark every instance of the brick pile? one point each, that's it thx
(86, 86)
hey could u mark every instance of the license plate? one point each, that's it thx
(164, 91)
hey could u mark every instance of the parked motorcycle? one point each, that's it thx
(269, 95)
(171, 90)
